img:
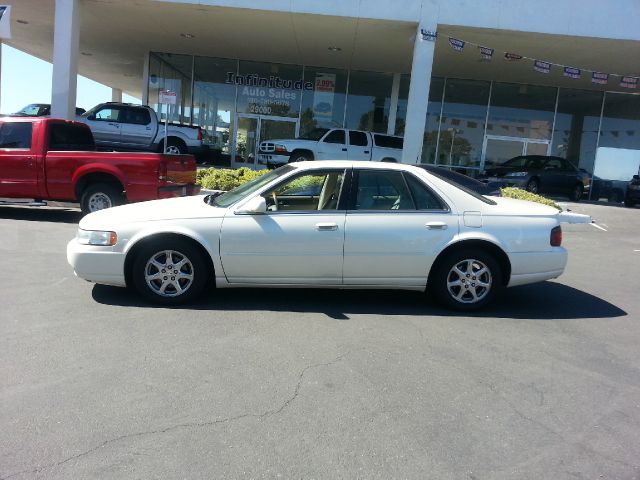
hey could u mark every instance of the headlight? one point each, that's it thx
(95, 237)
(516, 174)
(280, 148)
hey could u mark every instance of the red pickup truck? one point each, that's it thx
(51, 159)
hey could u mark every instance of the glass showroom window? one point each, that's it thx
(430, 141)
(621, 121)
(519, 110)
(214, 100)
(270, 89)
(575, 134)
(368, 101)
(324, 105)
(168, 71)
(403, 97)
(462, 123)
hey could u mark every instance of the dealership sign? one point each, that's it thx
(5, 14)
(167, 97)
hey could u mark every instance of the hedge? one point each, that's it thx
(512, 192)
(225, 178)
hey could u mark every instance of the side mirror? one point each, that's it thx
(636, 177)
(255, 206)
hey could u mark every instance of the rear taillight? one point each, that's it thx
(199, 134)
(162, 171)
(556, 236)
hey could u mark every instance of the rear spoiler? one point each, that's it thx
(570, 217)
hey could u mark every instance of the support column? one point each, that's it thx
(423, 51)
(393, 106)
(66, 39)
(1, 76)
(116, 95)
(145, 80)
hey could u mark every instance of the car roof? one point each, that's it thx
(356, 164)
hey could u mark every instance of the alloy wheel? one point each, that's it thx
(469, 281)
(169, 273)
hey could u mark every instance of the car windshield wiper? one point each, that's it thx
(210, 199)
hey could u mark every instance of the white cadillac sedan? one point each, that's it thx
(335, 224)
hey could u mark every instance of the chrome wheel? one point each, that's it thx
(173, 149)
(99, 201)
(169, 273)
(469, 281)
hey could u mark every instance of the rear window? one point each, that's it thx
(387, 141)
(68, 137)
(15, 135)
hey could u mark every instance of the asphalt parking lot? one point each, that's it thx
(96, 384)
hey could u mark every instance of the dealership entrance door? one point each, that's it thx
(498, 149)
(253, 129)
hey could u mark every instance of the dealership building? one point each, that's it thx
(467, 83)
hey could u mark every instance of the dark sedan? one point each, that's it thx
(542, 174)
(632, 195)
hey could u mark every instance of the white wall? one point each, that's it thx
(615, 19)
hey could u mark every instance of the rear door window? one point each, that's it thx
(358, 139)
(136, 116)
(15, 135)
(67, 137)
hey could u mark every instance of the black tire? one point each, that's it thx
(300, 156)
(174, 146)
(533, 186)
(461, 296)
(629, 203)
(99, 196)
(576, 193)
(170, 289)
(389, 160)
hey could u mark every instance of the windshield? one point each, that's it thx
(465, 188)
(238, 193)
(33, 110)
(315, 134)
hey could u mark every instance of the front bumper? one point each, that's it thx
(96, 264)
(272, 159)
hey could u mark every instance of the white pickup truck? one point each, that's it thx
(331, 144)
(122, 126)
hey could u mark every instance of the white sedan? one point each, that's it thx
(334, 224)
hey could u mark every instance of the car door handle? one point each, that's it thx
(436, 225)
(366, 151)
(326, 226)
(344, 149)
(114, 125)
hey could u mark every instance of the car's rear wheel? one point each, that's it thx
(576, 193)
(99, 196)
(170, 272)
(467, 280)
(533, 185)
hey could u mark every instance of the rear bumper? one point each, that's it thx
(171, 191)
(532, 267)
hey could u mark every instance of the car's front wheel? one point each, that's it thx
(467, 280)
(533, 185)
(170, 272)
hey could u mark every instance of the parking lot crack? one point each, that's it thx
(274, 411)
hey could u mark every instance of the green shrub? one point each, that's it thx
(512, 192)
(225, 178)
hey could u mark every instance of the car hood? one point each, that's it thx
(166, 209)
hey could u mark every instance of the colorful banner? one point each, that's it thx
(571, 72)
(457, 45)
(5, 22)
(325, 86)
(486, 53)
(542, 67)
(512, 57)
(629, 82)
(600, 78)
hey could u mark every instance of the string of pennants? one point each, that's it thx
(544, 67)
